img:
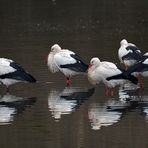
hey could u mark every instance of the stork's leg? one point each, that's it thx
(126, 66)
(106, 90)
(68, 81)
(140, 81)
(111, 92)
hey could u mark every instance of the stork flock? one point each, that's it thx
(71, 64)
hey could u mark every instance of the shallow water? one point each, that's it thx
(48, 114)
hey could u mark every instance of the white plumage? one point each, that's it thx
(11, 72)
(51, 64)
(66, 61)
(140, 69)
(128, 53)
(99, 71)
(106, 72)
(5, 66)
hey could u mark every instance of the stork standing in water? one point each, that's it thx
(11, 73)
(109, 74)
(128, 53)
(66, 61)
(140, 69)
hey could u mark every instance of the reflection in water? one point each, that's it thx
(11, 105)
(105, 115)
(6, 114)
(129, 92)
(92, 27)
(143, 105)
(64, 102)
(111, 112)
(136, 99)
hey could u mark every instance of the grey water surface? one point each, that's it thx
(50, 115)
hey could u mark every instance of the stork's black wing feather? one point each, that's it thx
(16, 66)
(80, 97)
(133, 55)
(125, 76)
(133, 48)
(79, 66)
(138, 67)
(19, 75)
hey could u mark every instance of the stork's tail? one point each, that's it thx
(19, 75)
(129, 77)
(28, 77)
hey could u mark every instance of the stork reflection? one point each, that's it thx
(138, 100)
(105, 114)
(67, 100)
(129, 92)
(11, 106)
(111, 112)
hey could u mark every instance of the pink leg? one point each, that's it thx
(140, 82)
(106, 91)
(68, 82)
(109, 91)
(126, 67)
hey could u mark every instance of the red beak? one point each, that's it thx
(89, 66)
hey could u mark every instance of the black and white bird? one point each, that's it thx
(140, 69)
(66, 61)
(128, 53)
(11, 73)
(109, 74)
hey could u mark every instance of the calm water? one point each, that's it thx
(48, 114)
